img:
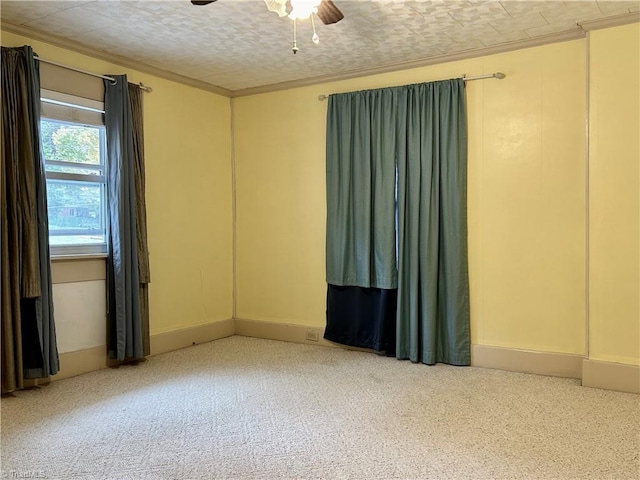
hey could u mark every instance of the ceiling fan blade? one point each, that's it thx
(196, 2)
(329, 13)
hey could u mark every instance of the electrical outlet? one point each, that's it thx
(312, 335)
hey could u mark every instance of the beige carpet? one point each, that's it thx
(250, 408)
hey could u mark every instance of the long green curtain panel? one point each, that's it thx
(361, 245)
(396, 175)
(433, 285)
(29, 349)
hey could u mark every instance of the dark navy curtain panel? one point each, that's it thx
(362, 317)
(396, 221)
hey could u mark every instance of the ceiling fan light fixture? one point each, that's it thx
(302, 9)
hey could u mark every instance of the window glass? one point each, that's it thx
(74, 156)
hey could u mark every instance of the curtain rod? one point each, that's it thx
(111, 79)
(498, 75)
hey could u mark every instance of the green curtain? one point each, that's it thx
(407, 145)
(29, 348)
(361, 245)
(433, 285)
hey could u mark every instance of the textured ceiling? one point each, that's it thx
(239, 44)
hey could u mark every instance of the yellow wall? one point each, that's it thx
(526, 198)
(187, 148)
(614, 207)
(187, 131)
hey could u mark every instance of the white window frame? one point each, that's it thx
(73, 110)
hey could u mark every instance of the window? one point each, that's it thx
(74, 149)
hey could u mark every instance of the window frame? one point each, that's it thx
(78, 111)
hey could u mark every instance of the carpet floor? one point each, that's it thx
(246, 408)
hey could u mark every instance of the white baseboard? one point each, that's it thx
(81, 361)
(95, 358)
(186, 337)
(606, 375)
(281, 331)
(527, 361)
(541, 363)
(611, 376)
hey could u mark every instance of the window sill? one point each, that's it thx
(78, 256)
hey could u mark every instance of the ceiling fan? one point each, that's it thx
(326, 10)
(296, 10)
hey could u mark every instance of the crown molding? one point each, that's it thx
(67, 44)
(609, 22)
(450, 57)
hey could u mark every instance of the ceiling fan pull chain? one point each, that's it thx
(315, 38)
(295, 33)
